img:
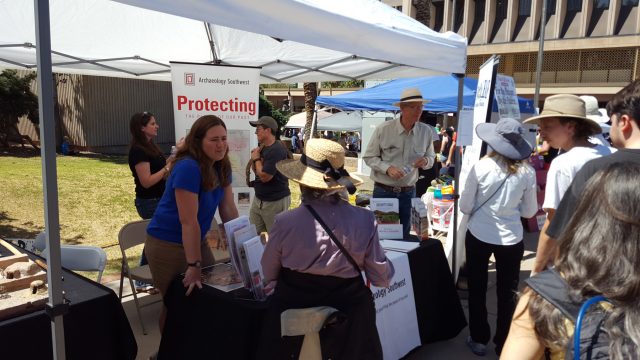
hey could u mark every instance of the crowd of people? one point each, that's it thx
(588, 246)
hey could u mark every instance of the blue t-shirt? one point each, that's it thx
(165, 224)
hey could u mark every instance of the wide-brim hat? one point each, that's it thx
(320, 167)
(410, 95)
(505, 138)
(592, 110)
(565, 106)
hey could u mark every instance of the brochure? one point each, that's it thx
(241, 236)
(387, 214)
(230, 228)
(222, 277)
(253, 250)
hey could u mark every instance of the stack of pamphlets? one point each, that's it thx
(222, 277)
(245, 250)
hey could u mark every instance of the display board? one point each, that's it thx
(229, 92)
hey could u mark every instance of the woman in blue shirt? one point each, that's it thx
(199, 183)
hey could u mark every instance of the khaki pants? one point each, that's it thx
(167, 260)
(263, 213)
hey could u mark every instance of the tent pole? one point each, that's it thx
(55, 307)
(314, 122)
(207, 28)
(456, 186)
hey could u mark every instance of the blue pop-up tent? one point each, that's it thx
(441, 90)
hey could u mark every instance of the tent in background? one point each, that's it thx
(441, 90)
(341, 121)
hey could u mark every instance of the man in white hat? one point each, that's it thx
(564, 125)
(396, 150)
(624, 109)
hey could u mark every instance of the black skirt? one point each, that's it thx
(354, 337)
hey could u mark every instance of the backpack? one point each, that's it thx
(593, 340)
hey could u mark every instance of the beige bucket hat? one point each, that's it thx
(592, 111)
(410, 95)
(320, 167)
(565, 106)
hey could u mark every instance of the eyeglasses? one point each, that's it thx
(258, 128)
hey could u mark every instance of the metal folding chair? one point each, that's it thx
(133, 234)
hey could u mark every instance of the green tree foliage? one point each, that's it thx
(343, 84)
(265, 108)
(16, 100)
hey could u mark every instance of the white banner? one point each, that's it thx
(229, 92)
(471, 155)
(506, 97)
(396, 317)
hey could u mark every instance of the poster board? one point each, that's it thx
(454, 248)
(229, 92)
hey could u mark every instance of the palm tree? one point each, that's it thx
(423, 11)
(310, 94)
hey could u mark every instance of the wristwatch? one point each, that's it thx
(196, 264)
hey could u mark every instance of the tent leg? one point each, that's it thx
(49, 175)
(456, 195)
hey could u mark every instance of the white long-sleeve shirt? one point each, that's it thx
(498, 220)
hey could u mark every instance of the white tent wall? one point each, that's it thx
(396, 39)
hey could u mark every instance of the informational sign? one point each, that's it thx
(481, 114)
(230, 93)
(396, 317)
(506, 97)
(465, 128)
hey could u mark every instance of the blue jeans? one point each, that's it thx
(404, 200)
(145, 208)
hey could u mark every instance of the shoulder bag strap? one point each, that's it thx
(333, 237)
(490, 196)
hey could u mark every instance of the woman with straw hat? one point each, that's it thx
(500, 189)
(317, 251)
(564, 125)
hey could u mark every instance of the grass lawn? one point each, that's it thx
(95, 197)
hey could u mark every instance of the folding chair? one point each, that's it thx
(77, 257)
(133, 234)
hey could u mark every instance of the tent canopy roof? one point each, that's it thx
(441, 90)
(289, 39)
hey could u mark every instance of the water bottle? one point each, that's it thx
(174, 150)
(407, 169)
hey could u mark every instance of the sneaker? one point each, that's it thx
(476, 348)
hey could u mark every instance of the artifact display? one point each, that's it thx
(22, 283)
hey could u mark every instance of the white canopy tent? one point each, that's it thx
(342, 121)
(366, 38)
(304, 40)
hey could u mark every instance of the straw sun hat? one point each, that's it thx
(410, 95)
(565, 106)
(320, 167)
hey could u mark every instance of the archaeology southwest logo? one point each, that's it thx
(190, 79)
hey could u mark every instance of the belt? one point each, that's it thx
(395, 189)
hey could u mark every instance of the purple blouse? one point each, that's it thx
(298, 242)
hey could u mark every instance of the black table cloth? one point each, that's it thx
(222, 325)
(96, 326)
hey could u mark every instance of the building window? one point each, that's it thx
(501, 9)
(524, 8)
(601, 4)
(551, 7)
(629, 2)
(574, 5)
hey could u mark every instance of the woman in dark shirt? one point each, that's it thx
(148, 165)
